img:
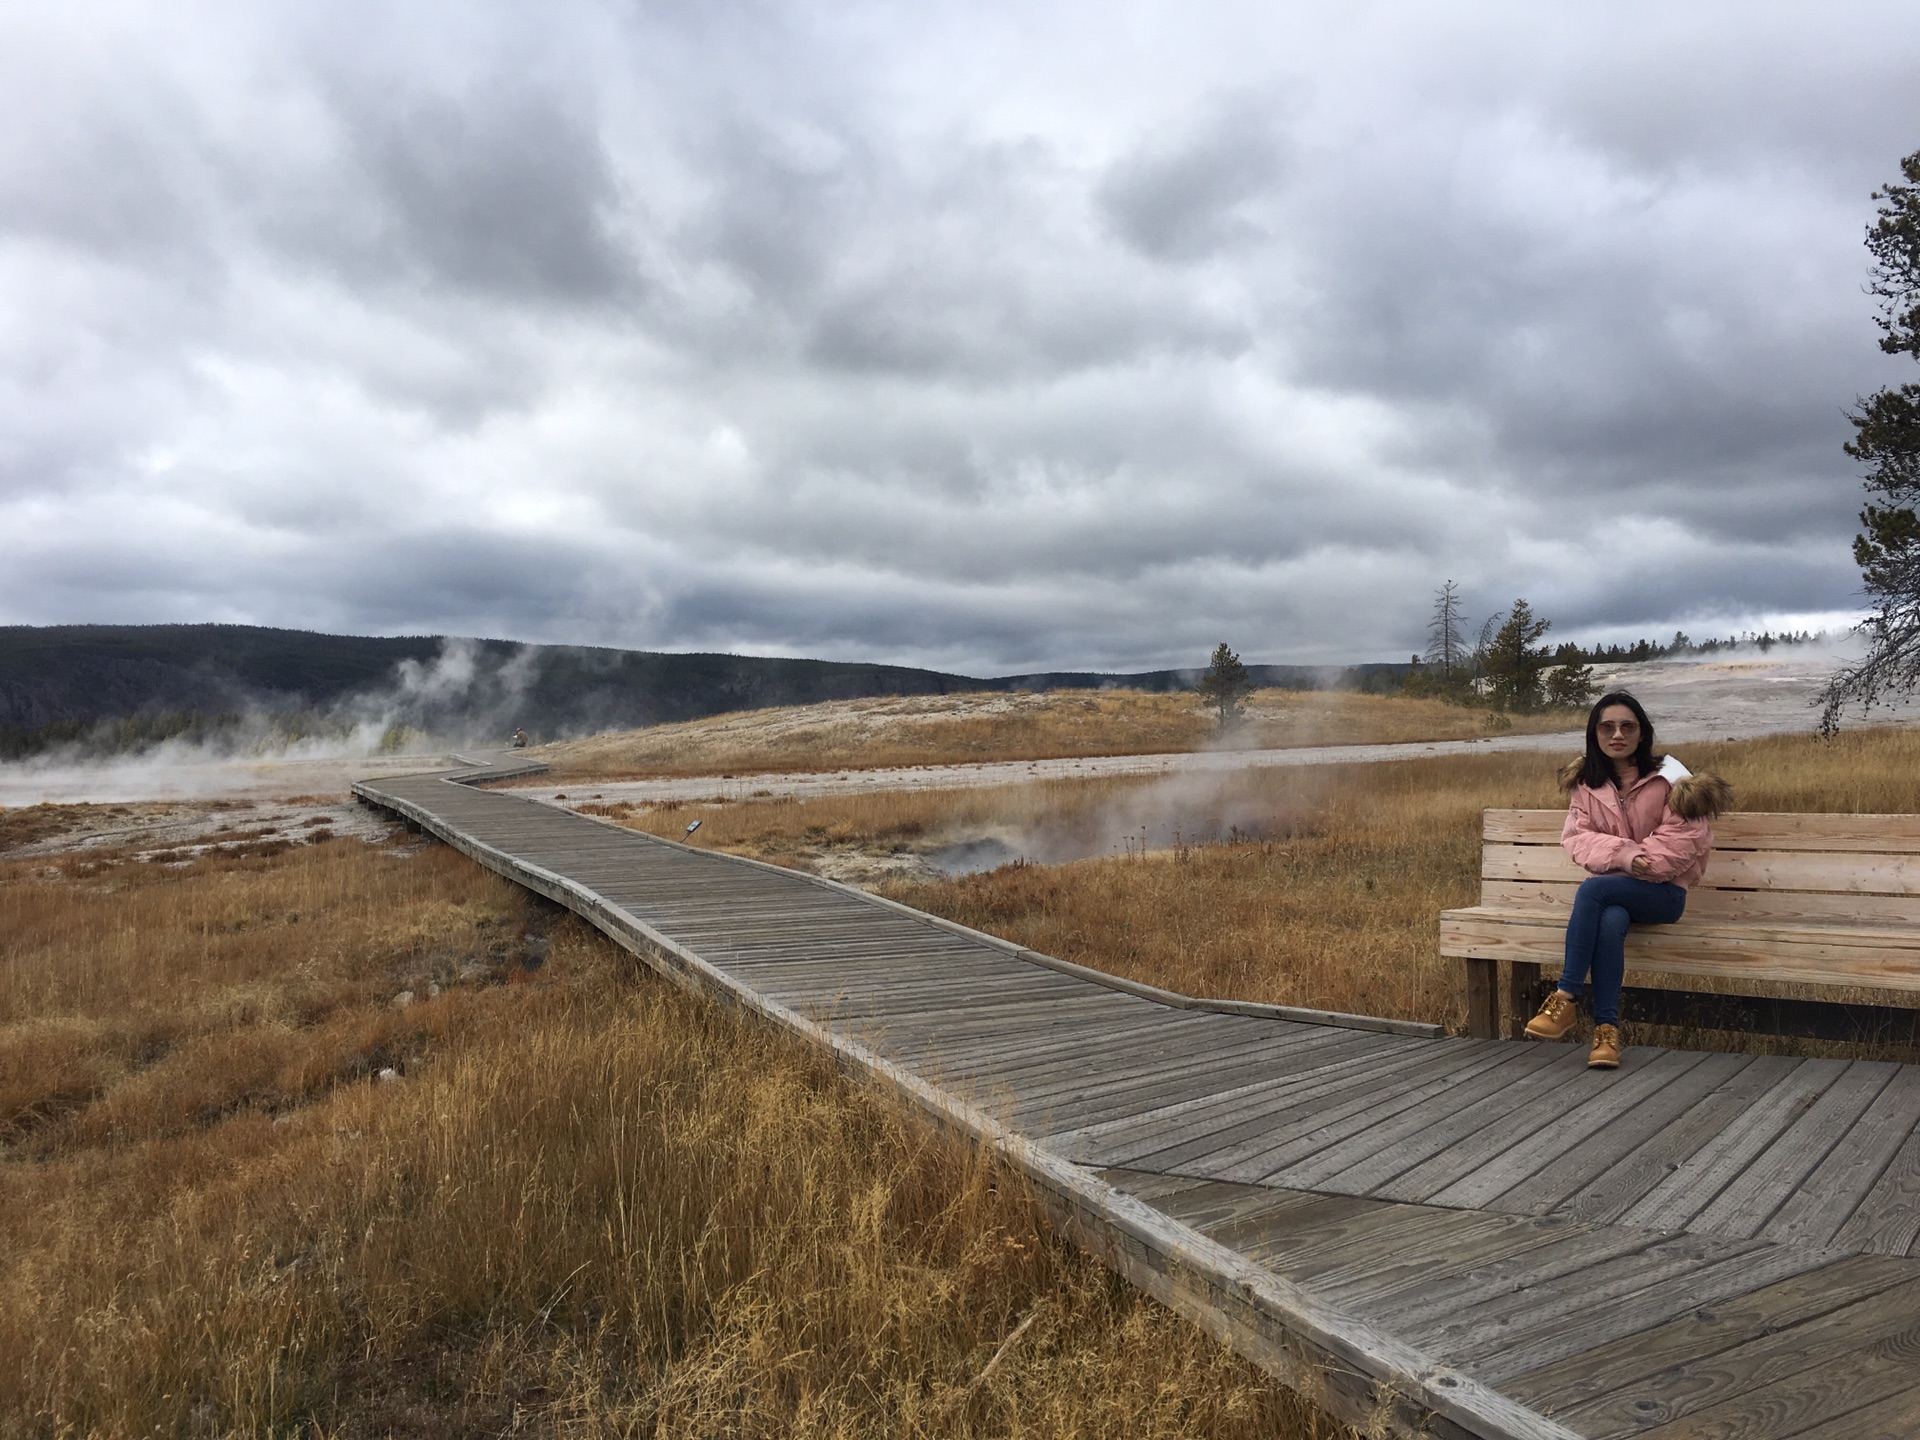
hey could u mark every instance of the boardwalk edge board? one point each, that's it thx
(1350, 1367)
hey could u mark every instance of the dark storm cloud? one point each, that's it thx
(1192, 198)
(496, 192)
(992, 339)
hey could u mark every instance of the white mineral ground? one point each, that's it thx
(169, 775)
(176, 809)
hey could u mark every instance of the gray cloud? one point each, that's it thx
(1193, 198)
(495, 193)
(981, 338)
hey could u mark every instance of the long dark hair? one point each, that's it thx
(1597, 770)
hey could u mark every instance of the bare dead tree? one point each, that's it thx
(1446, 635)
(1891, 668)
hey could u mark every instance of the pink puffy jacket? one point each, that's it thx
(1666, 816)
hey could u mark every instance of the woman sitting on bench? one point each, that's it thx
(1643, 825)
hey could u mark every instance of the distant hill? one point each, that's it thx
(123, 686)
(79, 673)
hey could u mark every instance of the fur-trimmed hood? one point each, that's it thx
(1692, 797)
(1700, 797)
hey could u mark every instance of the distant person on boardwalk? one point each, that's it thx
(1642, 824)
(519, 739)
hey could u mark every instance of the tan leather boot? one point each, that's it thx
(1555, 1019)
(1605, 1054)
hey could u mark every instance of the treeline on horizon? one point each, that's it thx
(1681, 645)
(1505, 666)
(1388, 679)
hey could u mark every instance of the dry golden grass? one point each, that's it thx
(595, 1204)
(1335, 906)
(145, 999)
(1859, 772)
(952, 729)
(592, 1203)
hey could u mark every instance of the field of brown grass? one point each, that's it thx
(249, 1193)
(954, 729)
(1334, 904)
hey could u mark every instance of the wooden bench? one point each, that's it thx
(1825, 900)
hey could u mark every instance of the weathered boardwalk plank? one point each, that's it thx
(1467, 1238)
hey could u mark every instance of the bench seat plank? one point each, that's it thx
(1878, 957)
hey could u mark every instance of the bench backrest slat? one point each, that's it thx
(1887, 834)
(1850, 873)
(1782, 868)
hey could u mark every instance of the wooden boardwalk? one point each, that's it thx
(1463, 1237)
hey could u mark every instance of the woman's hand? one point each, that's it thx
(1641, 867)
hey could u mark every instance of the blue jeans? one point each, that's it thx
(1603, 907)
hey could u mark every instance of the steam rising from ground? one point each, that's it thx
(429, 708)
(488, 701)
(1175, 811)
(160, 775)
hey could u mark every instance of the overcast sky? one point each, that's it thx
(984, 336)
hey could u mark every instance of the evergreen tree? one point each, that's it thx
(1569, 684)
(1226, 684)
(1887, 439)
(1515, 659)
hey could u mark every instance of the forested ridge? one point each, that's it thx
(119, 688)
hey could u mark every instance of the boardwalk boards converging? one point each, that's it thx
(1454, 1236)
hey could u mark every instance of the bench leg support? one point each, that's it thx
(1483, 1000)
(1523, 977)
